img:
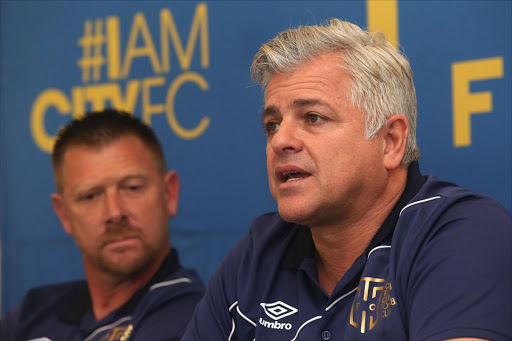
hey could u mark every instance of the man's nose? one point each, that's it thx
(286, 139)
(114, 207)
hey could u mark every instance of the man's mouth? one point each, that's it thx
(293, 176)
(124, 235)
(290, 173)
(121, 244)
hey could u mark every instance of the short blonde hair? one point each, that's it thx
(382, 77)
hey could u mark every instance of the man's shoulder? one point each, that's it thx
(43, 305)
(180, 280)
(444, 197)
(267, 240)
(266, 232)
(452, 242)
(172, 278)
(52, 294)
(444, 211)
(173, 286)
(49, 299)
(171, 298)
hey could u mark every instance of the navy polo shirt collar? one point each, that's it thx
(303, 247)
(75, 308)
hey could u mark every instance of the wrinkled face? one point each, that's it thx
(116, 204)
(321, 169)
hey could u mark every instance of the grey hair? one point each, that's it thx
(382, 77)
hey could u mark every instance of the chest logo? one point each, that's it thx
(121, 333)
(278, 310)
(373, 302)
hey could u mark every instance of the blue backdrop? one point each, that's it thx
(184, 68)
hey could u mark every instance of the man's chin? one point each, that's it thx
(294, 215)
(126, 264)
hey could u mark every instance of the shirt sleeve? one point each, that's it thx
(459, 283)
(212, 319)
(8, 324)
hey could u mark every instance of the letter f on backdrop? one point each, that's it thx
(466, 103)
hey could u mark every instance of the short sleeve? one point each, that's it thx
(460, 282)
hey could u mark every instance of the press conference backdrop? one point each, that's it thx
(183, 67)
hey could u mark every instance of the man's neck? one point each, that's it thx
(339, 245)
(109, 292)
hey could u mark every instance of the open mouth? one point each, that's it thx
(293, 176)
(287, 176)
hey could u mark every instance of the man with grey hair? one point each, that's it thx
(364, 247)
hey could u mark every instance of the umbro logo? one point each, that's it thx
(278, 310)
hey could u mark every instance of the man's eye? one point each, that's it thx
(133, 187)
(88, 197)
(271, 127)
(314, 118)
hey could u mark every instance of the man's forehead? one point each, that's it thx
(309, 90)
(75, 153)
(324, 71)
(124, 156)
(98, 146)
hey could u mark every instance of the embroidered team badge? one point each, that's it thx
(121, 333)
(373, 302)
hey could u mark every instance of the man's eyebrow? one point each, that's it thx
(296, 104)
(300, 103)
(268, 111)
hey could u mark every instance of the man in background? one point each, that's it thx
(114, 197)
(364, 247)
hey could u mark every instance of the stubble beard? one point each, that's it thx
(125, 262)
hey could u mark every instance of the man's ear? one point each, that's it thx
(396, 131)
(172, 190)
(58, 207)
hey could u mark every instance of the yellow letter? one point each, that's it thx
(171, 117)
(78, 95)
(139, 25)
(113, 48)
(48, 98)
(464, 102)
(147, 108)
(383, 16)
(92, 58)
(167, 25)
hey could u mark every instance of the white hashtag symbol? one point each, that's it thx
(92, 43)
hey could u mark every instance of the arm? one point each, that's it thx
(8, 324)
(212, 319)
(461, 277)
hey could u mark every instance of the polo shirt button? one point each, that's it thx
(326, 335)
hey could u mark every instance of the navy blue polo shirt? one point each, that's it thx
(438, 268)
(63, 312)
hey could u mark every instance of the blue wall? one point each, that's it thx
(217, 144)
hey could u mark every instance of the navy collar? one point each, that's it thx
(302, 245)
(79, 302)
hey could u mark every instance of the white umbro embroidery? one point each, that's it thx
(278, 310)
